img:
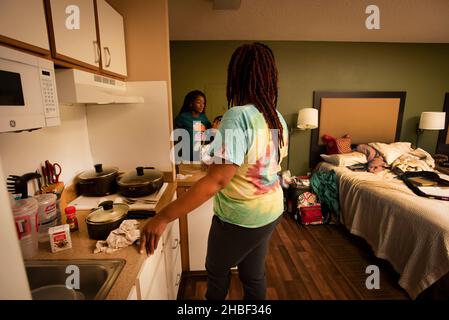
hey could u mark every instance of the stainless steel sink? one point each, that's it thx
(96, 277)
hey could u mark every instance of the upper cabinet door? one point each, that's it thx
(22, 23)
(75, 42)
(112, 39)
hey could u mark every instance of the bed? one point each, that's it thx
(409, 231)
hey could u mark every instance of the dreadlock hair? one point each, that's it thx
(253, 78)
(189, 98)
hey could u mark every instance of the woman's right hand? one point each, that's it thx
(151, 234)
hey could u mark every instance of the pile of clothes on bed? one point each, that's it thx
(375, 157)
(399, 157)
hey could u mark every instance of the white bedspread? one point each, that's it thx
(409, 231)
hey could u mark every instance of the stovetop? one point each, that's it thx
(138, 207)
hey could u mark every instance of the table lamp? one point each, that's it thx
(430, 121)
(307, 119)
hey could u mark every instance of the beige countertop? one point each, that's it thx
(83, 247)
(193, 173)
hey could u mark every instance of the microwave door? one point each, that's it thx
(11, 93)
(21, 105)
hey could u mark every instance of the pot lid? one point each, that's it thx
(108, 212)
(142, 176)
(99, 172)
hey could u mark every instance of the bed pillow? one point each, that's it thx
(392, 151)
(331, 146)
(337, 145)
(345, 159)
(344, 144)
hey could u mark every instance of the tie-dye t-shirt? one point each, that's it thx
(254, 197)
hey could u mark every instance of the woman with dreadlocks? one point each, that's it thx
(243, 178)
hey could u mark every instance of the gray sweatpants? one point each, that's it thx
(230, 245)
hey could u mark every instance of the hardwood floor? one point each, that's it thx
(321, 262)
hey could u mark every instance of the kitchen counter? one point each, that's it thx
(83, 246)
(194, 172)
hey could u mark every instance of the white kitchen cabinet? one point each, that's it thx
(79, 46)
(112, 38)
(173, 261)
(158, 288)
(151, 281)
(132, 294)
(174, 277)
(24, 21)
(160, 275)
(198, 223)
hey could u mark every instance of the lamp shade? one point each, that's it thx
(307, 118)
(432, 120)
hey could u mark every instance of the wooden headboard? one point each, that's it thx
(443, 136)
(365, 116)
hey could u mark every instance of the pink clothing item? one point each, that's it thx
(367, 150)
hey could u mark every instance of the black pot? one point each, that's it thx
(99, 182)
(105, 219)
(142, 182)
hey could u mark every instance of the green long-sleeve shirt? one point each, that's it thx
(187, 121)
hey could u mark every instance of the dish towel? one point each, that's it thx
(123, 236)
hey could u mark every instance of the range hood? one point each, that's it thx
(76, 86)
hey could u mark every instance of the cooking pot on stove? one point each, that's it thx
(107, 217)
(99, 182)
(141, 182)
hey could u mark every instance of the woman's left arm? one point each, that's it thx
(218, 176)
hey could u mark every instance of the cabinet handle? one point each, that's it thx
(178, 279)
(97, 51)
(106, 50)
(176, 244)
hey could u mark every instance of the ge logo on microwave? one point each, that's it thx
(12, 123)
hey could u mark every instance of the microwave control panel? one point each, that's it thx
(49, 93)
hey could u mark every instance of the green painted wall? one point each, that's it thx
(422, 70)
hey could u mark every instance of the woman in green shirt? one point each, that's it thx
(192, 118)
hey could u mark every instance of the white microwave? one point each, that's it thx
(28, 97)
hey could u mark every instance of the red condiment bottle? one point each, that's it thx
(71, 218)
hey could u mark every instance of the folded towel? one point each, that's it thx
(123, 236)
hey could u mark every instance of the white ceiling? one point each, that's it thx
(313, 20)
